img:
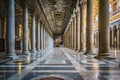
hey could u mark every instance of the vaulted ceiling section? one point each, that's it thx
(58, 13)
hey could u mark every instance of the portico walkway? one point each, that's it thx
(60, 63)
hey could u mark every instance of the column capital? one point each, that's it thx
(71, 19)
(69, 23)
(74, 11)
(78, 6)
(82, 5)
(77, 9)
(73, 15)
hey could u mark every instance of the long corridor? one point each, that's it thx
(59, 64)
(59, 39)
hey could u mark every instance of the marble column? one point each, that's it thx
(64, 40)
(38, 35)
(41, 36)
(41, 41)
(44, 37)
(3, 28)
(10, 37)
(82, 28)
(72, 33)
(78, 30)
(70, 36)
(103, 51)
(67, 38)
(16, 30)
(74, 25)
(89, 28)
(119, 38)
(25, 27)
(33, 49)
(0, 28)
(47, 39)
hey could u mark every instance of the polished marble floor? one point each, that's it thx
(60, 64)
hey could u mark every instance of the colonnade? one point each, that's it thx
(83, 42)
(114, 37)
(40, 36)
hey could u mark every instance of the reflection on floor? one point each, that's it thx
(60, 64)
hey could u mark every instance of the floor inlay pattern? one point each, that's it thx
(66, 76)
(54, 68)
(60, 64)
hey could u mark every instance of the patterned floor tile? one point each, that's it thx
(69, 75)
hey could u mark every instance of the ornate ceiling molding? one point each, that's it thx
(65, 2)
(49, 2)
(58, 13)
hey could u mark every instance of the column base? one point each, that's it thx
(78, 51)
(11, 56)
(26, 53)
(32, 52)
(38, 51)
(74, 49)
(103, 56)
(89, 53)
(83, 49)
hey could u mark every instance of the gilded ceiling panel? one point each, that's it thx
(55, 11)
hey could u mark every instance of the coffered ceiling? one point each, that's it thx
(58, 13)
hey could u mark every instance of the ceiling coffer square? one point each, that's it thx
(58, 15)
